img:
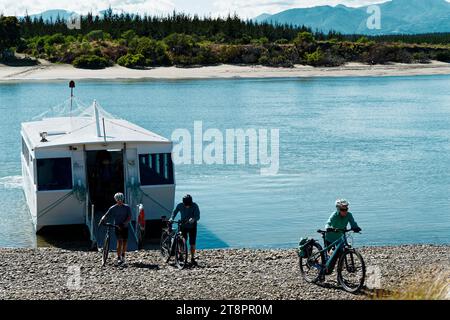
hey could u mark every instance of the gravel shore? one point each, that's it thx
(47, 273)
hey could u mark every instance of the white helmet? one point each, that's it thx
(119, 196)
(342, 203)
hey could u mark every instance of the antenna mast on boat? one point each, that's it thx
(97, 120)
(104, 130)
(71, 86)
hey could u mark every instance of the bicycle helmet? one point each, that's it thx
(342, 203)
(187, 200)
(119, 196)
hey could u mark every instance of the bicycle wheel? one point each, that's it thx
(165, 244)
(351, 271)
(311, 264)
(105, 250)
(180, 252)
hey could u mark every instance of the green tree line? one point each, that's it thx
(137, 41)
(222, 30)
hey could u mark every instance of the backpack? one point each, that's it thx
(304, 249)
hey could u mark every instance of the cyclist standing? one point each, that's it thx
(191, 213)
(339, 220)
(121, 213)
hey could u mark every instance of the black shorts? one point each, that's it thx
(192, 232)
(122, 233)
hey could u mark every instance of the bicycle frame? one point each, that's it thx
(107, 241)
(339, 246)
(330, 261)
(108, 227)
(173, 234)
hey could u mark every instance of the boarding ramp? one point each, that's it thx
(97, 233)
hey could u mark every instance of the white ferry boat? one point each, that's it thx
(73, 163)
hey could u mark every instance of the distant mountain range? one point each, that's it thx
(397, 17)
(53, 14)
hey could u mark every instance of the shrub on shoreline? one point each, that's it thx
(185, 50)
(20, 62)
(90, 62)
(134, 61)
(154, 52)
(443, 56)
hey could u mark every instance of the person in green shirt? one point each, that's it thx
(339, 220)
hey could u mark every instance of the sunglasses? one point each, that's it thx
(343, 209)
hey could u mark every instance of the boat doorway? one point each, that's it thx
(105, 175)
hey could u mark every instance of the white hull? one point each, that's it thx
(56, 208)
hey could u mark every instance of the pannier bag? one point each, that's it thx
(304, 249)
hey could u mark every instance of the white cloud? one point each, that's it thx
(244, 8)
(15, 7)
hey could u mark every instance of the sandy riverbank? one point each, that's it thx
(48, 71)
(222, 274)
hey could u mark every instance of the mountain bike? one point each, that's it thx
(174, 244)
(316, 263)
(106, 242)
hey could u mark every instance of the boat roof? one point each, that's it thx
(64, 131)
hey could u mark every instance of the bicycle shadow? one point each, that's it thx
(148, 266)
(365, 291)
(189, 266)
(329, 285)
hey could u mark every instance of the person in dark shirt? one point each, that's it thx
(191, 214)
(121, 214)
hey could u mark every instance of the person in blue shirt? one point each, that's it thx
(121, 214)
(191, 214)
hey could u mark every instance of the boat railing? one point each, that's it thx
(136, 224)
(135, 227)
(92, 233)
(90, 221)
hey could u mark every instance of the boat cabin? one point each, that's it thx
(73, 165)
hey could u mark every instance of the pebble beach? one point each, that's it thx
(55, 273)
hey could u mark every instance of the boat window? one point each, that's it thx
(156, 169)
(25, 152)
(54, 174)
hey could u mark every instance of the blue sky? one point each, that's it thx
(244, 8)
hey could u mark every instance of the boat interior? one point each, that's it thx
(105, 175)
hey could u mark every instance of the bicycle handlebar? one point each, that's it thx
(340, 230)
(109, 225)
(177, 222)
